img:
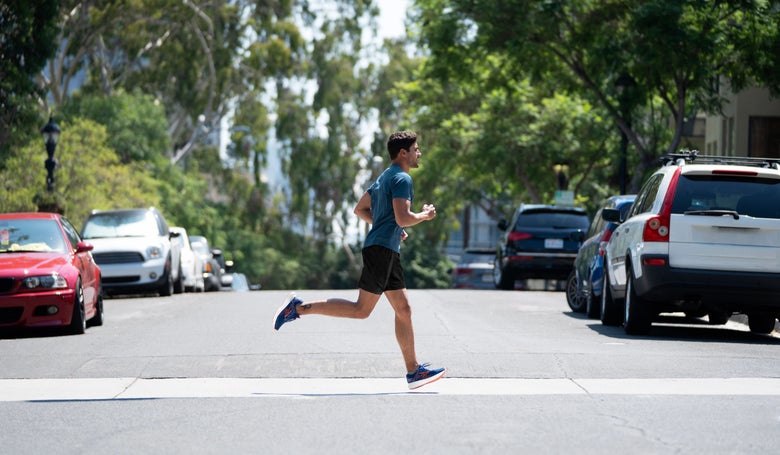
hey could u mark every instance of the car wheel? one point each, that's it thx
(611, 313)
(167, 287)
(501, 279)
(97, 319)
(716, 317)
(178, 285)
(574, 297)
(639, 316)
(592, 306)
(761, 322)
(78, 322)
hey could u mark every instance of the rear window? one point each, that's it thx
(552, 219)
(756, 197)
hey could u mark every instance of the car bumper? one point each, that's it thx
(545, 266)
(148, 276)
(32, 309)
(729, 289)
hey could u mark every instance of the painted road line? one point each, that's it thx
(138, 388)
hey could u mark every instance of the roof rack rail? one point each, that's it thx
(691, 156)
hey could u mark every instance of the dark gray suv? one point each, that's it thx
(541, 242)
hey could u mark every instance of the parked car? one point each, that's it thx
(47, 275)
(583, 288)
(540, 242)
(474, 270)
(701, 238)
(212, 269)
(239, 282)
(191, 263)
(134, 250)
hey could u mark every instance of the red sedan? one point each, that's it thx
(47, 275)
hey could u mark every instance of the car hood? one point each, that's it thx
(20, 264)
(125, 244)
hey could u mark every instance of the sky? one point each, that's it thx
(391, 18)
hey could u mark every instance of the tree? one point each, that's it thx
(89, 175)
(27, 31)
(673, 50)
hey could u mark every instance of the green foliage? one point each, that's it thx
(27, 31)
(424, 267)
(89, 175)
(135, 123)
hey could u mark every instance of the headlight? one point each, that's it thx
(154, 252)
(52, 281)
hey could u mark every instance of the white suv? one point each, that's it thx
(134, 251)
(703, 238)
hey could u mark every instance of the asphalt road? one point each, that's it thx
(206, 373)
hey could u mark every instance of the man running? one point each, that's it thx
(387, 206)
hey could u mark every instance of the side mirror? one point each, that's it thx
(503, 224)
(173, 235)
(611, 215)
(83, 247)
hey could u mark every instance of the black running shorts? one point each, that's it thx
(382, 270)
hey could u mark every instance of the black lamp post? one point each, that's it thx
(622, 84)
(51, 134)
(561, 171)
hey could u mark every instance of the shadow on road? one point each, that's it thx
(682, 328)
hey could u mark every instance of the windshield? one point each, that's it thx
(31, 236)
(121, 224)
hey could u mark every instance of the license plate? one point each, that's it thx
(553, 243)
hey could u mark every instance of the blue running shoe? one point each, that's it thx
(287, 312)
(423, 376)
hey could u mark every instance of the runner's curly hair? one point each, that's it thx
(400, 140)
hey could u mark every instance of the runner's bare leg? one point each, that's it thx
(404, 332)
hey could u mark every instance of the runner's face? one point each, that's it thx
(413, 156)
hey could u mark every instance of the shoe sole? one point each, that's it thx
(426, 381)
(287, 301)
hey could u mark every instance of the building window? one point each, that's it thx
(764, 137)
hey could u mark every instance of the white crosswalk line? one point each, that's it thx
(139, 388)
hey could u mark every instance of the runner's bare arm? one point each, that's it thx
(404, 215)
(363, 208)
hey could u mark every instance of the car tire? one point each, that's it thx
(611, 313)
(178, 285)
(78, 322)
(716, 317)
(761, 322)
(166, 289)
(97, 319)
(574, 297)
(592, 306)
(638, 312)
(502, 279)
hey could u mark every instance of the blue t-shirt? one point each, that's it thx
(393, 183)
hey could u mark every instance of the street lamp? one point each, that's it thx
(622, 84)
(51, 134)
(561, 171)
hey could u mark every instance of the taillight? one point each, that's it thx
(603, 242)
(462, 271)
(515, 236)
(657, 227)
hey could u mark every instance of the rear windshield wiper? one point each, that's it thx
(733, 213)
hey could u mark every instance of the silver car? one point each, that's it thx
(134, 250)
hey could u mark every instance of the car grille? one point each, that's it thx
(117, 258)
(9, 315)
(121, 279)
(6, 285)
